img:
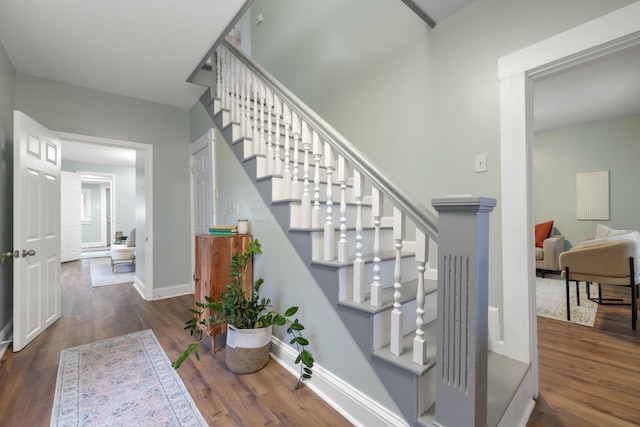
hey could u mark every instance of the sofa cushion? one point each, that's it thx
(543, 230)
(131, 238)
(602, 231)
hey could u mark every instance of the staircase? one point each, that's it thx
(364, 241)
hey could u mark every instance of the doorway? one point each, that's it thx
(517, 73)
(141, 198)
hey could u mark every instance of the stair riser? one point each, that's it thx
(345, 276)
(382, 321)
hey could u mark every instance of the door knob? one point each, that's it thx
(5, 255)
(26, 253)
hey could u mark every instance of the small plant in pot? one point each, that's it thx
(249, 320)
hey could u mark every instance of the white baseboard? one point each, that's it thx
(6, 336)
(355, 406)
(172, 291)
(93, 245)
(521, 405)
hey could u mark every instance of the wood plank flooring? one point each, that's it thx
(28, 378)
(589, 376)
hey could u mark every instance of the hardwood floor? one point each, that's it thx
(28, 378)
(589, 376)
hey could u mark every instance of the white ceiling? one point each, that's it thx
(144, 49)
(604, 89)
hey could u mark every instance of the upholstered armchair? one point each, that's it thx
(606, 261)
(547, 256)
(124, 252)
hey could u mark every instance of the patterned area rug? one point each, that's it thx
(122, 381)
(551, 301)
(102, 275)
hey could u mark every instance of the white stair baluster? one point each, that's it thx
(305, 212)
(343, 244)
(256, 126)
(358, 264)
(316, 212)
(419, 341)
(397, 316)
(376, 286)
(269, 151)
(295, 182)
(277, 110)
(263, 138)
(219, 74)
(286, 172)
(233, 80)
(329, 228)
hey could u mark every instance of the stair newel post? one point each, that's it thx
(397, 316)
(461, 361)
(358, 263)
(286, 171)
(305, 211)
(376, 286)
(295, 182)
(329, 228)
(316, 212)
(277, 110)
(343, 243)
(419, 341)
(269, 151)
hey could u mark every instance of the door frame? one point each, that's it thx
(516, 73)
(145, 156)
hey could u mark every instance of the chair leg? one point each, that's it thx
(634, 295)
(566, 272)
(578, 292)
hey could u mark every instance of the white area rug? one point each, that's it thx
(102, 275)
(551, 301)
(122, 381)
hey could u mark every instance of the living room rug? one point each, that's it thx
(122, 381)
(551, 301)
(102, 275)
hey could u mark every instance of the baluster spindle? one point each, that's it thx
(419, 341)
(219, 74)
(343, 244)
(286, 172)
(269, 152)
(277, 161)
(329, 228)
(358, 264)
(295, 183)
(397, 316)
(376, 286)
(263, 139)
(244, 125)
(305, 211)
(233, 81)
(316, 213)
(256, 125)
(227, 81)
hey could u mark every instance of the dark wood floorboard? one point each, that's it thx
(28, 377)
(589, 376)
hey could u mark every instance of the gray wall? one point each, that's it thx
(125, 194)
(611, 145)
(67, 108)
(385, 80)
(91, 231)
(287, 279)
(7, 95)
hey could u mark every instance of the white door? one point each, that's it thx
(36, 229)
(70, 222)
(202, 183)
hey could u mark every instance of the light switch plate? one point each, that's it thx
(481, 163)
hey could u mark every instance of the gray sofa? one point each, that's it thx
(547, 257)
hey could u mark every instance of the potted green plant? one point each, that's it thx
(249, 320)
